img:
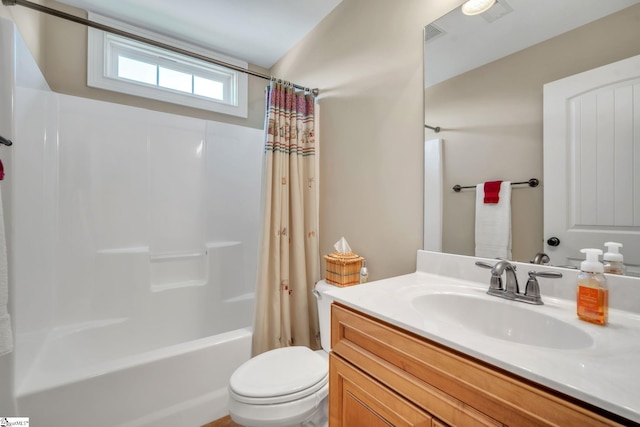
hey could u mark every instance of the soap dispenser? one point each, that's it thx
(592, 296)
(613, 259)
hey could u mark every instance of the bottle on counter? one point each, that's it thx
(592, 295)
(364, 273)
(613, 259)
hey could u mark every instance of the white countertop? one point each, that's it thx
(606, 373)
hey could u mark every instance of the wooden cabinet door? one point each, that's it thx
(356, 400)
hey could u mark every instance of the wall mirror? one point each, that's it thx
(484, 79)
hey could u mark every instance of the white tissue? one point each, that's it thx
(342, 246)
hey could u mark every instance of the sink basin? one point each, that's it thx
(505, 320)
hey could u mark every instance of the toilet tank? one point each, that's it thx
(324, 312)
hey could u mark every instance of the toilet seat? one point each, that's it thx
(285, 398)
(279, 376)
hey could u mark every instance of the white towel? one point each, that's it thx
(493, 224)
(6, 337)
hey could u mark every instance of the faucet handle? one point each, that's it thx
(484, 265)
(495, 284)
(548, 274)
(532, 290)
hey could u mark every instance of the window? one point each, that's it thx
(123, 65)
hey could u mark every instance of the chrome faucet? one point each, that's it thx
(511, 287)
(511, 290)
(540, 258)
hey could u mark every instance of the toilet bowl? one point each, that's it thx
(286, 387)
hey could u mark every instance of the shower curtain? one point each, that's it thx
(289, 264)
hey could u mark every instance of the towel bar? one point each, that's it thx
(533, 182)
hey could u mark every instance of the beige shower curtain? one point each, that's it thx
(289, 263)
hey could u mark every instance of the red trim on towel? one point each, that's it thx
(491, 192)
(1, 171)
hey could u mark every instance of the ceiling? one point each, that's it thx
(259, 32)
(508, 27)
(262, 31)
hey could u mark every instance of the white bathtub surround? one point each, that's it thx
(289, 263)
(599, 367)
(6, 334)
(145, 240)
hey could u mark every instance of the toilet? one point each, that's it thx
(286, 387)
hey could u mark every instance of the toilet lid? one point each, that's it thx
(279, 372)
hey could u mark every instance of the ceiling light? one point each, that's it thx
(476, 7)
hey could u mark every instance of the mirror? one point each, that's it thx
(484, 78)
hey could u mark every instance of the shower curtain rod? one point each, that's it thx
(88, 23)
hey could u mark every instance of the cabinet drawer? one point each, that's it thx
(357, 400)
(452, 387)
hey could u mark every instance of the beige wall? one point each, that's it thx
(366, 59)
(60, 50)
(492, 124)
(30, 24)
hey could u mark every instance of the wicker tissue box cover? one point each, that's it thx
(343, 269)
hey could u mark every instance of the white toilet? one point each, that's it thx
(288, 386)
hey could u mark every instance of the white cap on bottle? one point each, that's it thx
(613, 253)
(591, 264)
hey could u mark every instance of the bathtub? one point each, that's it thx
(164, 335)
(180, 385)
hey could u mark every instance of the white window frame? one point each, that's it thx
(103, 49)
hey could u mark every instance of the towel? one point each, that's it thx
(492, 191)
(493, 224)
(6, 337)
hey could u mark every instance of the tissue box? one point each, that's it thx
(343, 269)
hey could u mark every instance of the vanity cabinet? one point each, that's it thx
(365, 402)
(381, 375)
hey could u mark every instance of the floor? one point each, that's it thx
(222, 422)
